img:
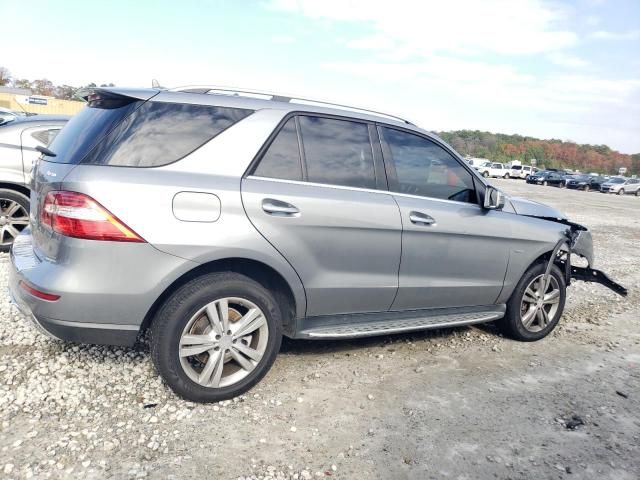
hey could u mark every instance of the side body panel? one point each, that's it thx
(11, 155)
(460, 260)
(344, 243)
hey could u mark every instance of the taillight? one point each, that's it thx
(50, 297)
(78, 215)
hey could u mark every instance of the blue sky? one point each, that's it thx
(568, 70)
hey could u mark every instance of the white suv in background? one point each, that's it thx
(520, 171)
(490, 169)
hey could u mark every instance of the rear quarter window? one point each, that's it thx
(160, 133)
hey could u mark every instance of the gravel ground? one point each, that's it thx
(459, 403)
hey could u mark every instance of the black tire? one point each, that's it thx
(485, 174)
(587, 188)
(171, 319)
(506, 176)
(638, 193)
(6, 198)
(511, 325)
(545, 183)
(621, 191)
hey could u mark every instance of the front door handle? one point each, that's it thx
(279, 208)
(421, 218)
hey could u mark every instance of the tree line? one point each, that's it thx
(552, 153)
(43, 86)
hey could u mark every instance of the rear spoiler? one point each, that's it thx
(143, 94)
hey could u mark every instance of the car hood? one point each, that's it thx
(523, 206)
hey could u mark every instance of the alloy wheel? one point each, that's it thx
(539, 305)
(223, 342)
(13, 219)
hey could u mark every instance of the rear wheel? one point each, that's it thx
(587, 188)
(545, 183)
(216, 337)
(535, 308)
(638, 193)
(14, 216)
(485, 174)
(506, 176)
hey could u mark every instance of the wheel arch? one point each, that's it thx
(16, 188)
(513, 277)
(259, 271)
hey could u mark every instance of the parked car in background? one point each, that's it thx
(19, 137)
(621, 186)
(476, 162)
(493, 169)
(259, 218)
(520, 171)
(585, 182)
(548, 177)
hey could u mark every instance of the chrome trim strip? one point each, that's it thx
(358, 189)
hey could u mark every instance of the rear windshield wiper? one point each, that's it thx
(46, 151)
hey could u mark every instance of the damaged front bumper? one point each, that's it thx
(578, 241)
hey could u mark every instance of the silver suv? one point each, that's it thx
(20, 137)
(222, 221)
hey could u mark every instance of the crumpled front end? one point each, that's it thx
(578, 241)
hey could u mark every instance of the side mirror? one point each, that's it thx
(493, 198)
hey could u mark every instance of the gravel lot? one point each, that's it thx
(459, 403)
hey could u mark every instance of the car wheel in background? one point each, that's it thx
(587, 188)
(216, 337)
(621, 191)
(485, 174)
(545, 183)
(563, 184)
(506, 176)
(638, 193)
(534, 308)
(14, 216)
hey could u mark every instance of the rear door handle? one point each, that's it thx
(421, 218)
(279, 208)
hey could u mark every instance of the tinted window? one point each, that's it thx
(159, 133)
(337, 152)
(282, 158)
(86, 128)
(426, 169)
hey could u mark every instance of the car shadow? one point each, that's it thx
(291, 346)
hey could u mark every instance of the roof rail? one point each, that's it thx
(277, 97)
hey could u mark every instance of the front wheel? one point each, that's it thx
(638, 193)
(621, 191)
(535, 308)
(545, 183)
(14, 216)
(485, 174)
(587, 188)
(506, 176)
(216, 337)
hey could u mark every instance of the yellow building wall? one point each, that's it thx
(54, 105)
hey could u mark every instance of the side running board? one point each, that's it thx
(400, 325)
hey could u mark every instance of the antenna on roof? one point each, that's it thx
(155, 84)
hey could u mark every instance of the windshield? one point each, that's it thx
(616, 180)
(581, 178)
(497, 165)
(516, 167)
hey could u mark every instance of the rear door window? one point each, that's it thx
(282, 158)
(337, 152)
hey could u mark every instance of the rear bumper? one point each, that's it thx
(105, 290)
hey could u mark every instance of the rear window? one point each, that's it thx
(138, 134)
(87, 127)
